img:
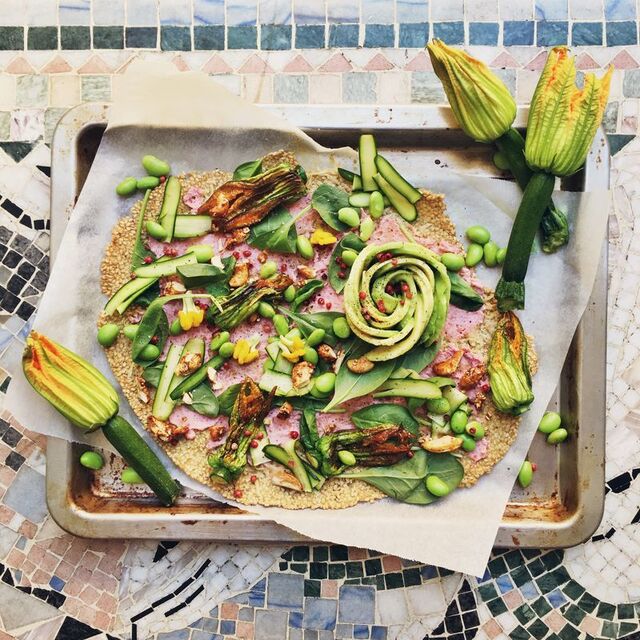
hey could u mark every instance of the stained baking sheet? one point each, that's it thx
(563, 506)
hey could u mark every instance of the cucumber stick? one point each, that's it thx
(138, 455)
(359, 199)
(197, 377)
(287, 457)
(191, 226)
(126, 294)
(353, 178)
(405, 208)
(169, 209)
(161, 268)
(367, 151)
(391, 175)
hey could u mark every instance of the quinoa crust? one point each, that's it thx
(191, 455)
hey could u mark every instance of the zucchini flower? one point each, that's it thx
(74, 387)
(508, 366)
(245, 350)
(190, 316)
(480, 101)
(563, 119)
(322, 238)
(292, 349)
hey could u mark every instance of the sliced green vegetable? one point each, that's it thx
(140, 251)
(161, 268)
(247, 169)
(187, 226)
(169, 209)
(367, 152)
(408, 389)
(463, 295)
(391, 175)
(405, 208)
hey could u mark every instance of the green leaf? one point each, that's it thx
(463, 295)
(149, 295)
(308, 429)
(305, 292)
(151, 374)
(349, 241)
(154, 323)
(204, 401)
(419, 358)
(247, 170)
(227, 399)
(447, 467)
(140, 252)
(277, 232)
(327, 200)
(309, 322)
(376, 414)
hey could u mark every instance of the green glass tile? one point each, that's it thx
(380, 583)
(372, 566)
(552, 559)
(561, 576)
(530, 553)
(487, 591)
(321, 554)
(573, 590)
(497, 606)
(546, 583)
(606, 611)
(519, 633)
(312, 588)
(300, 554)
(338, 552)
(283, 566)
(520, 575)
(75, 38)
(95, 88)
(625, 611)
(242, 37)
(352, 581)
(444, 572)
(5, 126)
(609, 630)
(524, 613)
(32, 90)
(287, 555)
(541, 607)
(355, 570)
(108, 37)
(393, 580)
(536, 567)
(412, 577)
(497, 567)
(318, 570)
(336, 571)
(588, 603)
(175, 38)
(513, 559)
(42, 38)
(569, 633)
(299, 567)
(626, 628)
(574, 614)
(141, 37)
(208, 37)
(275, 37)
(11, 38)
(538, 629)
(372, 580)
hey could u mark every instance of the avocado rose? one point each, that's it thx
(396, 296)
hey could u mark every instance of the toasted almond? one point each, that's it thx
(143, 393)
(359, 365)
(443, 444)
(472, 376)
(285, 410)
(301, 374)
(448, 366)
(165, 431)
(240, 275)
(327, 353)
(188, 364)
(306, 271)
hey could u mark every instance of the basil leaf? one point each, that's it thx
(376, 414)
(227, 399)
(148, 295)
(349, 241)
(309, 322)
(151, 374)
(463, 295)
(305, 292)
(140, 252)
(204, 401)
(277, 232)
(327, 200)
(247, 170)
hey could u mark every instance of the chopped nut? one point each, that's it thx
(443, 444)
(235, 237)
(143, 393)
(305, 271)
(359, 365)
(301, 374)
(282, 478)
(171, 287)
(285, 411)
(187, 398)
(472, 376)
(216, 431)
(240, 275)
(189, 363)
(327, 353)
(262, 257)
(448, 366)
(165, 431)
(478, 400)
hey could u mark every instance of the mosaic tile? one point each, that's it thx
(310, 37)
(621, 33)
(141, 37)
(42, 38)
(242, 37)
(275, 37)
(108, 37)
(174, 38)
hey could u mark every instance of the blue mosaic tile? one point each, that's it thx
(556, 598)
(359, 88)
(551, 33)
(242, 12)
(413, 35)
(360, 631)
(357, 604)
(449, 32)
(208, 12)
(344, 35)
(310, 36)
(619, 9)
(227, 627)
(175, 38)
(208, 37)
(319, 613)
(242, 37)
(295, 619)
(275, 37)
(517, 33)
(309, 12)
(552, 9)
(484, 33)
(428, 571)
(379, 35)
(291, 89)
(621, 33)
(504, 584)
(175, 12)
(412, 11)
(285, 591)
(586, 33)
(56, 583)
(141, 37)
(378, 633)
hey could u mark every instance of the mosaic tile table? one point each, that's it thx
(56, 54)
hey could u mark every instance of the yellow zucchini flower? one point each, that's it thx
(191, 316)
(245, 351)
(292, 350)
(322, 237)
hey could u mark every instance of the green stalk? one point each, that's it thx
(535, 199)
(554, 225)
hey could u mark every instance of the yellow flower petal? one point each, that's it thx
(322, 237)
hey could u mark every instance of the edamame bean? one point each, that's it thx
(311, 355)
(318, 394)
(346, 457)
(458, 421)
(127, 187)
(108, 334)
(557, 436)
(367, 227)
(305, 248)
(550, 422)
(130, 331)
(468, 443)
(156, 230)
(349, 256)
(204, 252)
(326, 382)
(316, 337)
(289, 293)
(280, 323)
(150, 352)
(226, 350)
(341, 328)
(130, 476)
(439, 406)
(376, 205)
(148, 182)
(92, 460)
(155, 167)
(453, 261)
(491, 253)
(175, 328)
(501, 255)
(268, 269)
(437, 486)
(478, 234)
(500, 160)
(219, 340)
(266, 310)
(475, 253)
(349, 216)
(525, 475)
(475, 429)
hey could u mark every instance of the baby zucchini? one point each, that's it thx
(367, 151)
(405, 208)
(169, 210)
(390, 174)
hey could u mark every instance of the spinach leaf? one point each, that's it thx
(204, 401)
(309, 322)
(376, 414)
(354, 385)
(447, 467)
(140, 252)
(309, 429)
(220, 288)
(227, 399)
(154, 323)
(277, 232)
(349, 241)
(305, 292)
(463, 295)
(302, 403)
(151, 374)
(199, 275)
(418, 358)
(247, 169)
(327, 200)
(148, 295)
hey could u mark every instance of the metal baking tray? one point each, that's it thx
(564, 505)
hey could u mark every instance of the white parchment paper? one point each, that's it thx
(197, 125)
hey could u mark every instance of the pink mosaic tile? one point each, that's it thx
(554, 621)
(590, 625)
(229, 611)
(336, 62)
(391, 563)
(513, 599)
(329, 588)
(64, 570)
(57, 65)
(379, 63)
(584, 61)
(298, 65)
(505, 61)
(244, 630)
(95, 65)
(28, 529)
(538, 62)
(421, 62)
(216, 64)
(19, 66)
(89, 595)
(492, 629)
(623, 60)
(255, 64)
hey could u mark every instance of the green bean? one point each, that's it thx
(289, 293)
(266, 310)
(346, 457)
(204, 252)
(148, 182)
(280, 323)
(376, 205)
(468, 443)
(92, 460)
(475, 429)
(459, 421)
(326, 382)
(305, 248)
(341, 328)
(130, 331)
(437, 486)
(525, 475)
(156, 230)
(349, 256)
(501, 255)
(550, 422)
(108, 334)
(311, 355)
(475, 253)
(557, 436)
(439, 406)
(268, 269)
(349, 216)
(155, 167)
(367, 227)
(491, 253)
(316, 337)
(226, 350)
(453, 261)
(175, 328)
(219, 340)
(127, 187)
(478, 234)
(130, 476)
(150, 352)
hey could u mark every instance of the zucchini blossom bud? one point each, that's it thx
(508, 366)
(70, 384)
(563, 119)
(481, 102)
